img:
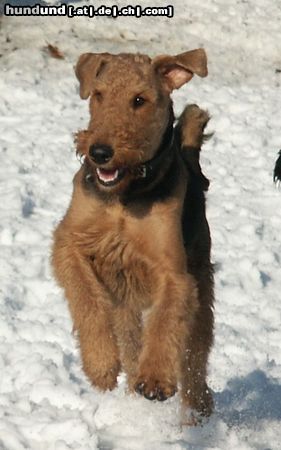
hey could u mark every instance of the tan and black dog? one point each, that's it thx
(133, 250)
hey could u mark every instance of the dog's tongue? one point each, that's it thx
(107, 175)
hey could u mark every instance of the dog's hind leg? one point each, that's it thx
(128, 330)
(195, 392)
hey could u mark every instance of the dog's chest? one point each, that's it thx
(118, 263)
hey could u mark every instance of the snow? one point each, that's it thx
(46, 402)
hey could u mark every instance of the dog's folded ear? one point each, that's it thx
(88, 67)
(178, 70)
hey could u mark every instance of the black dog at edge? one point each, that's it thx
(277, 169)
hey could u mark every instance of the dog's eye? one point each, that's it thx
(138, 101)
(97, 95)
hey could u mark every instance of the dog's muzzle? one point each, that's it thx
(100, 154)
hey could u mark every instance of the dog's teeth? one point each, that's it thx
(107, 176)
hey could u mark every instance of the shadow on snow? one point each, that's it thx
(249, 399)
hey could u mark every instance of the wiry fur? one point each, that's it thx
(134, 259)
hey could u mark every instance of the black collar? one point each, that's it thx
(164, 155)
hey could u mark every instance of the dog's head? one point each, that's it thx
(130, 109)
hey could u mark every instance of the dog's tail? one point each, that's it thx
(190, 137)
(277, 169)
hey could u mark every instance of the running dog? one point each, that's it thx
(133, 250)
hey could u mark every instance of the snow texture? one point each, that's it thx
(46, 402)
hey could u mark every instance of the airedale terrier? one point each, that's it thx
(133, 250)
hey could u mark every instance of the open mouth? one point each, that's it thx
(110, 177)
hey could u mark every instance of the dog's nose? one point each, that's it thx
(100, 154)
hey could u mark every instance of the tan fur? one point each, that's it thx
(118, 260)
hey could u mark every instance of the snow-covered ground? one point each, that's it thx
(46, 401)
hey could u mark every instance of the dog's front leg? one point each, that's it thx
(91, 310)
(169, 323)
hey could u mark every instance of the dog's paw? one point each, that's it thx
(205, 404)
(154, 389)
(104, 379)
(193, 418)
(192, 123)
(200, 403)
